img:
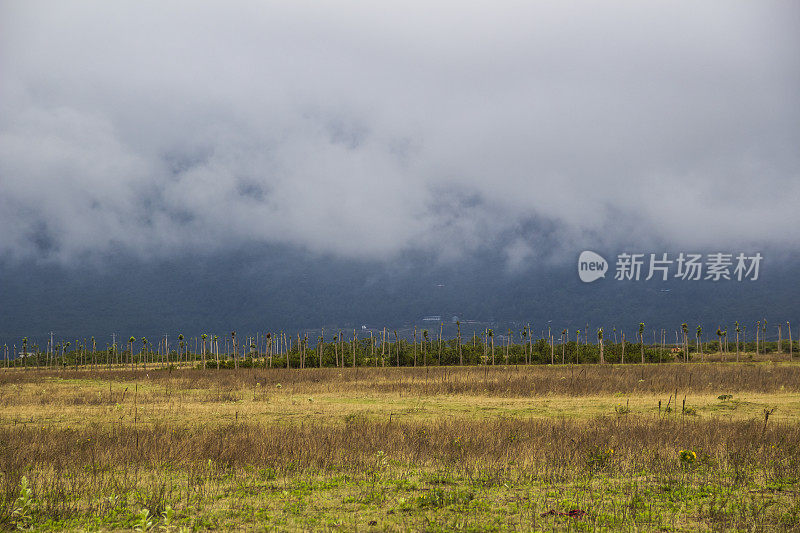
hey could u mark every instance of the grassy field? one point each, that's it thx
(478, 448)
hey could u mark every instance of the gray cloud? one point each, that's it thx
(370, 130)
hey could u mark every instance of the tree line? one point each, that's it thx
(386, 348)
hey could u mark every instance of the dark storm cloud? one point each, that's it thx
(366, 130)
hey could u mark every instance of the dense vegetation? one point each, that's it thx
(281, 351)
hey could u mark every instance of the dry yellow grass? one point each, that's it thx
(409, 394)
(405, 449)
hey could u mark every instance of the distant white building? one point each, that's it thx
(432, 318)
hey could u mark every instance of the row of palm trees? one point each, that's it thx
(282, 349)
(740, 330)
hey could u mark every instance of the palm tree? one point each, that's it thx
(719, 339)
(79, 348)
(383, 348)
(699, 342)
(384, 342)
(415, 344)
(235, 354)
(789, 328)
(144, 346)
(460, 355)
(341, 347)
(530, 344)
(372, 347)
(758, 330)
(738, 329)
(485, 344)
(685, 330)
(424, 344)
(441, 325)
(508, 344)
(764, 336)
(744, 338)
(301, 353)
(600, 342)
(491, 340)
(215, 348)
(321, 345)
(25, 352)
(725, 340)
(641, 339)
(397, 348)
(130, 345)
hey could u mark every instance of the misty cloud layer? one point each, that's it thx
(368, 130)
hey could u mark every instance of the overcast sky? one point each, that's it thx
(371, 129)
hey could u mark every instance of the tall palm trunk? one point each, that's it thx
(415, 345)
(530, 343)
(641, 345)
(383, 347)
(602, 358)
(758, 328)
(460, 355)
(441, 325)
(737, 345)
(397, 347)
(372, 348)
